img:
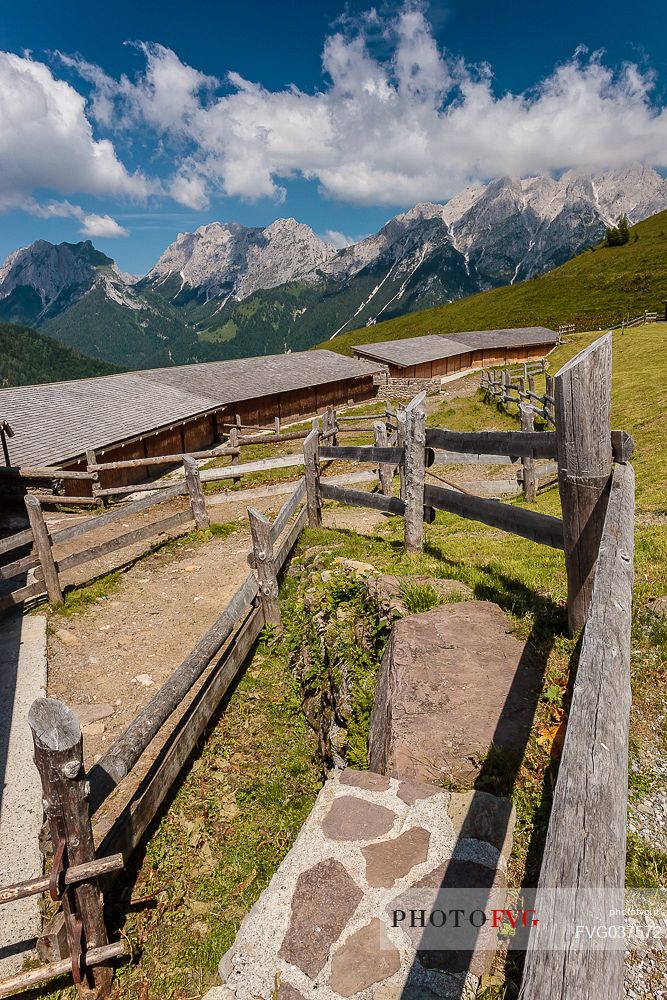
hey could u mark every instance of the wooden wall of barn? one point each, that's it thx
(202, 432)
(473, 359)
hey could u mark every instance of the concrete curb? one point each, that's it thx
(22, 679)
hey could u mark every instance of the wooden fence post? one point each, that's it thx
(58, 745)
(234, 443)
(385, 472)
(527, 461)
(262, 547)
(91, 464)
(582, 390)
(43, 546)
(400, 443)
(311, 449)
(197, 499)
(277, 424)
(415, 447)
(549, 405)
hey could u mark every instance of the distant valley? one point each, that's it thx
(230, 291)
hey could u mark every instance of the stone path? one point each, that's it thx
(335, 919)
(22, 679)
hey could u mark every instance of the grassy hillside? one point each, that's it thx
(28, 357)
(595, 289)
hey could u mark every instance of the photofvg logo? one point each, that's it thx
(554, 919)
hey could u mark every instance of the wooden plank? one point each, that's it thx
(131, 824)
(585, 845)
(51, 500)
(290, 539)
(460, 458)
(71, 875)
(363, 453)
(583, 431)
(538, 444)
(152, 460)
(119, 759)
(622, 446)
(274, 438)
(385, 470)
(18, 566)
(197, 499)
(58, 746)
(118, 513)
(22, 594)
(360, 498)
(121, 491)
(122, 541)
(415, 466)
(43, 973)
(40, 472)
(527, 523)
(16, 541)
(288, 509)
(244, 469)
(529, 473)
(262, 552)
(312, 476)
(400, 443)
(43, 549)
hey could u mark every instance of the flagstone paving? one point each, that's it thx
(372, 848)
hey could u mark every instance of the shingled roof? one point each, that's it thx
(417, 350)
(57, 422)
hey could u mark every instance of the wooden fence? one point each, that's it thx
(585, 848)
(88, 845)
(508, 386)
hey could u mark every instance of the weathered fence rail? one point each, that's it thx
(582, 877)
(75, 799)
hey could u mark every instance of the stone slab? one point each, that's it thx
(453, 682)
(322, 929)
(22, 679)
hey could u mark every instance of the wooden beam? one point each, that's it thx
(125, 833)
(119, 759)
(360, 498)
(312, 476)
(58, 746)
(197, 499)
(71, 875)
(262, 551)
(415, 466)
(16, 541)
(288, 509)
(385, 470)
(584, 853)
(537, 444)
(29, 472)
(377, 454)
(43, 973)
(622, 446)
(42, 542)
(529, 474)
(527, 523)
(583, 432)
(151, 530)
(400, 442)
(290, 539)
(118, 513)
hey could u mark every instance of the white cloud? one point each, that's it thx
(91, 223)
(337, 239)
(408, 124)
(46, 140)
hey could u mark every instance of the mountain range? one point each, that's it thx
(227, 290)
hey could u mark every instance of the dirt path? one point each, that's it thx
(107, 660)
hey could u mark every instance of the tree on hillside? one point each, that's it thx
(618, 235)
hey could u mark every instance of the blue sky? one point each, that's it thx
(337, 114)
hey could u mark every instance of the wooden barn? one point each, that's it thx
(437, 355)
(165, 411)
